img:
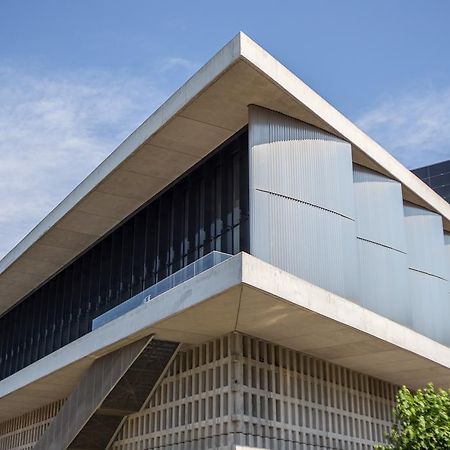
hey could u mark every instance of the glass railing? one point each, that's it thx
(184, 274)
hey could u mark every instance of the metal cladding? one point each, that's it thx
(384, 281)
(301, 201)
(344, 228)
(425, 237)
(427, 273)
(447, 256)
(381, 245)
(379, 209)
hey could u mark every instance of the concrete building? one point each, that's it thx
(247, 270)
(437, 176)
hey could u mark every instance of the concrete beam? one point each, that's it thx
(250, 296)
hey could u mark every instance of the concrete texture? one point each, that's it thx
(247, 295)
(203, 113)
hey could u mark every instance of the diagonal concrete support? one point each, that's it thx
(127, 397)
(114, 386)
(153, 367)
(86, 398)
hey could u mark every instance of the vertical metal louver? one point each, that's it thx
(205, 210)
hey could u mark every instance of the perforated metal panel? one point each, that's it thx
(241, 390)
(301, 201)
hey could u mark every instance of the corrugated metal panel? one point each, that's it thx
(430, 306)
(297, 160)
(447, 255)
(384, 281)
(307, 241)
(379, 209)
(301, 201)
(425, 240)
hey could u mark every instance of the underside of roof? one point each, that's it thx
(203, 113)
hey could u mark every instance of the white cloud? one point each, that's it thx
(55, 128)
(414, 126)
(174, 63)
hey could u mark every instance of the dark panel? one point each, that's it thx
(97, 432)
(439, 168)
(206, 209)
(437, 176)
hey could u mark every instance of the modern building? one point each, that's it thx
(437, 176)
(247, 270)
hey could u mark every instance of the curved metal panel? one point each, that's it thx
(447, 255)
(379, 209)
(428, 273)
(383, 262)
(309, 242)
(301, 201)
(425, 240)
(384, 281)
(294, 159)
(430, 306)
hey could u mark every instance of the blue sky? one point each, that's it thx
(76, 77)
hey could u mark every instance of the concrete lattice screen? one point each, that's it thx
(239, 390)
(24, 431)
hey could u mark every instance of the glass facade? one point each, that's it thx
(437, 176)
(206, 209)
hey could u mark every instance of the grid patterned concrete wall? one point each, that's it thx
(21, 433)
(239, 390)
(193, 406)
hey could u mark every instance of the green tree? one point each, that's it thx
(422, 420)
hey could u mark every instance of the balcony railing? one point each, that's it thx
(184, 274)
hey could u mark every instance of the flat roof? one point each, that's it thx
(208, 109)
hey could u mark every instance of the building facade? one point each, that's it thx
(247, 270)
(437, 176)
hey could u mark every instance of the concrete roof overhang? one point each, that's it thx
(209, 108)
(247, 295)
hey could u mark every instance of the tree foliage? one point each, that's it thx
(422, 420)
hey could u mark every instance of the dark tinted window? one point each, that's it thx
(205, 210)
